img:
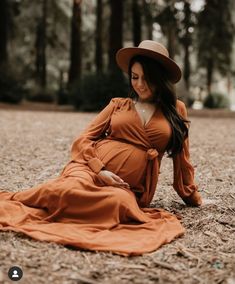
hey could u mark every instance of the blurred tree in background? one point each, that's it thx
(137, 22)
(115, 32)
(147, 11)
(11, 89)
(75, 70)
(99, 37)
(64, 50)
(185, 37)
(3, 31)
(215, 38)
(168, 22)
(40, 47)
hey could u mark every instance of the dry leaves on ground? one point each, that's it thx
(35, 146)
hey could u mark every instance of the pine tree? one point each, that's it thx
(99, 36)
(136, 22)
(40, 46)
(186, 39)
(116, 32)
(215, 38)
(147, 11)
(168, 22)
(3, 31)
(75, 47)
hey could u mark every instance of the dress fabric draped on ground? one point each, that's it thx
(79, 210)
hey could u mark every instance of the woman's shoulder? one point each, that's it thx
(119, 101)
(181, 107)
(180, 104)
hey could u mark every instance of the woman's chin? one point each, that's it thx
(145, 98)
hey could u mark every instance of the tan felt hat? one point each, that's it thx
(153, 50)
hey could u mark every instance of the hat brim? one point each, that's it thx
(124, 55)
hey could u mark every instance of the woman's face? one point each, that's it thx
(139, 82)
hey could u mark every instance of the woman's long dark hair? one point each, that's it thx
(165, 98)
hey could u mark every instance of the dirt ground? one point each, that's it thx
(34, 147)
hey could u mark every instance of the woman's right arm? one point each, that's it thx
(83, 149)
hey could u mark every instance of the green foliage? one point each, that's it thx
(11, 90)
(215, 35)
(167, 17)
(190, 101)
(40, 95)
(62, 96)
(94, 91)
(216, 100)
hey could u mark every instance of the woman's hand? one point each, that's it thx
(194, 199)
(110, 178)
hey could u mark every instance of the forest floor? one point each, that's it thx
(34, 147)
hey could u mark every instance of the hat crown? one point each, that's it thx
(154, 46)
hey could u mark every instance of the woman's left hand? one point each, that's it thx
(109, 178)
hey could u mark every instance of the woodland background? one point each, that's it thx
(63, 51)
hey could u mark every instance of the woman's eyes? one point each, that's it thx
(136, 78)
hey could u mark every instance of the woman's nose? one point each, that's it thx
(140, 83)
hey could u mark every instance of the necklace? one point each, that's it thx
(143, 108)
(146, 111)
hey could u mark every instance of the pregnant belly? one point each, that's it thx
(123, 159)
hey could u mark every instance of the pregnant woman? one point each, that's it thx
(101, 199)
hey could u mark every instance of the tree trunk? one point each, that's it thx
(76, 42)
(186, 73)
(171, 38)
(186, 44)
(229, 83)
(3, 31)
(116, 31)
(98, 39)
(170, 23)
(40, 45)
(136, 22)
(210, 69)
(149, 20)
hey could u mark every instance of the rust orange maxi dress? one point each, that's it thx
(77, 209)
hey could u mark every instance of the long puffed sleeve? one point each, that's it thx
(83, 147)
(184, 171)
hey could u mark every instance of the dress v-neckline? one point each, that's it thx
(140, 120)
